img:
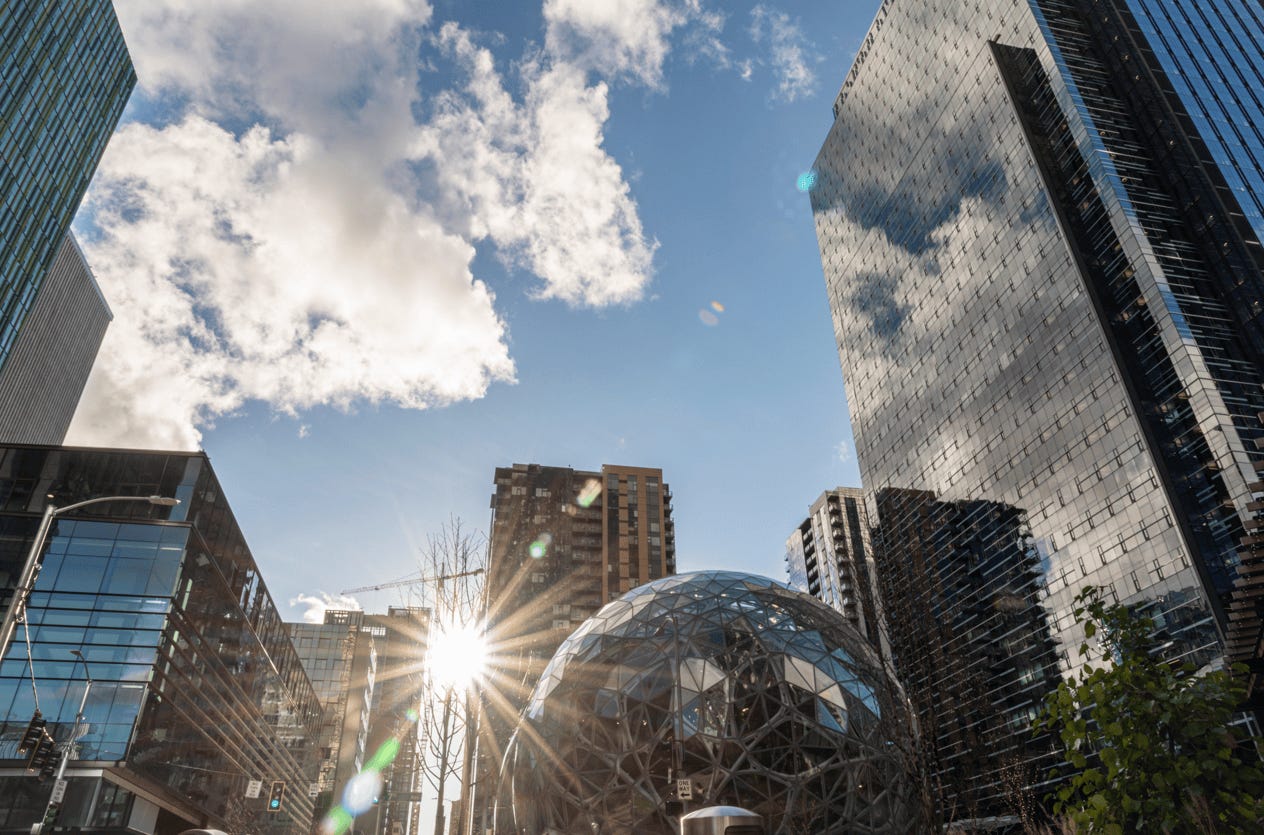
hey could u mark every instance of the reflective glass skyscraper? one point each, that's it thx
(65, 76)
(1039, 225)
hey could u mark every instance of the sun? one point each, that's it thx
(457, 656)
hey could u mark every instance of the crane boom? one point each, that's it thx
(438, 578)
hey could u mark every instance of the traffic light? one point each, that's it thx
(44, 755)
(34, 732)
(276, 795)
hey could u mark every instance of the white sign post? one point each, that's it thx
(253, 788)
(59, 792)
(684, 789)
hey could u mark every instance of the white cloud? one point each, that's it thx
(297, 222)
(535, 179)
(317, 604)
(631, 38)
(291, 60)
(702, 38)
(788, 51)
(256, 268)
(612, 37)
(844, 451)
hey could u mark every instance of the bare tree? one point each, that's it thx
(453, 557)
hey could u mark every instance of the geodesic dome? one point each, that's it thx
(756, 694)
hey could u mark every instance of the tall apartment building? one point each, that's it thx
(829, 557)
(366, 670)
(1040, 236)
(196, 687)
(564, 543)
(44, 376)
(65, 76)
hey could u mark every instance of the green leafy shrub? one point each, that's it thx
(1148, 741)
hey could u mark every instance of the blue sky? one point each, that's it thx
(365, 255)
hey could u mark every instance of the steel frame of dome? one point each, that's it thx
(760, 695)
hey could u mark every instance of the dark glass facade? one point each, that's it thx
(1046, 295)
(197, 688)
(1212, 57)
(65, 76)
(971, 642)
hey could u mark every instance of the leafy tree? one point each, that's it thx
(1149, 740)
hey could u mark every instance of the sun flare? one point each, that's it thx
(458, 655)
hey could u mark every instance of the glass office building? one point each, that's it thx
(49, 362)
(1046, 284)
(65, 76)
(196, 686)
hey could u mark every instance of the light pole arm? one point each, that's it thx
(26, 581)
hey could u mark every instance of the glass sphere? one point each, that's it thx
(727, 687)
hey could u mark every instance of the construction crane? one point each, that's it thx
(413, 581)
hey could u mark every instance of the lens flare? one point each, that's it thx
(807, 181)
(540, 547)
(338, 820)
(362, 790)
(708, 318)
(589, 493)
(457, 655)
(717, 307)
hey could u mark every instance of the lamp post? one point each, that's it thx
(30, 569)
(59, 785)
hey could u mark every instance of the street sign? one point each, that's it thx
(254, 788)
(59, 792)
(684, 789)
(313, 790)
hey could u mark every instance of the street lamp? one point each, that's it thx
(27, 582)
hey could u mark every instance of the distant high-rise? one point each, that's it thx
(830, 558)
(564, 543)
(1039, 225)
(42, 380)
(65, 76)
(366, 670)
